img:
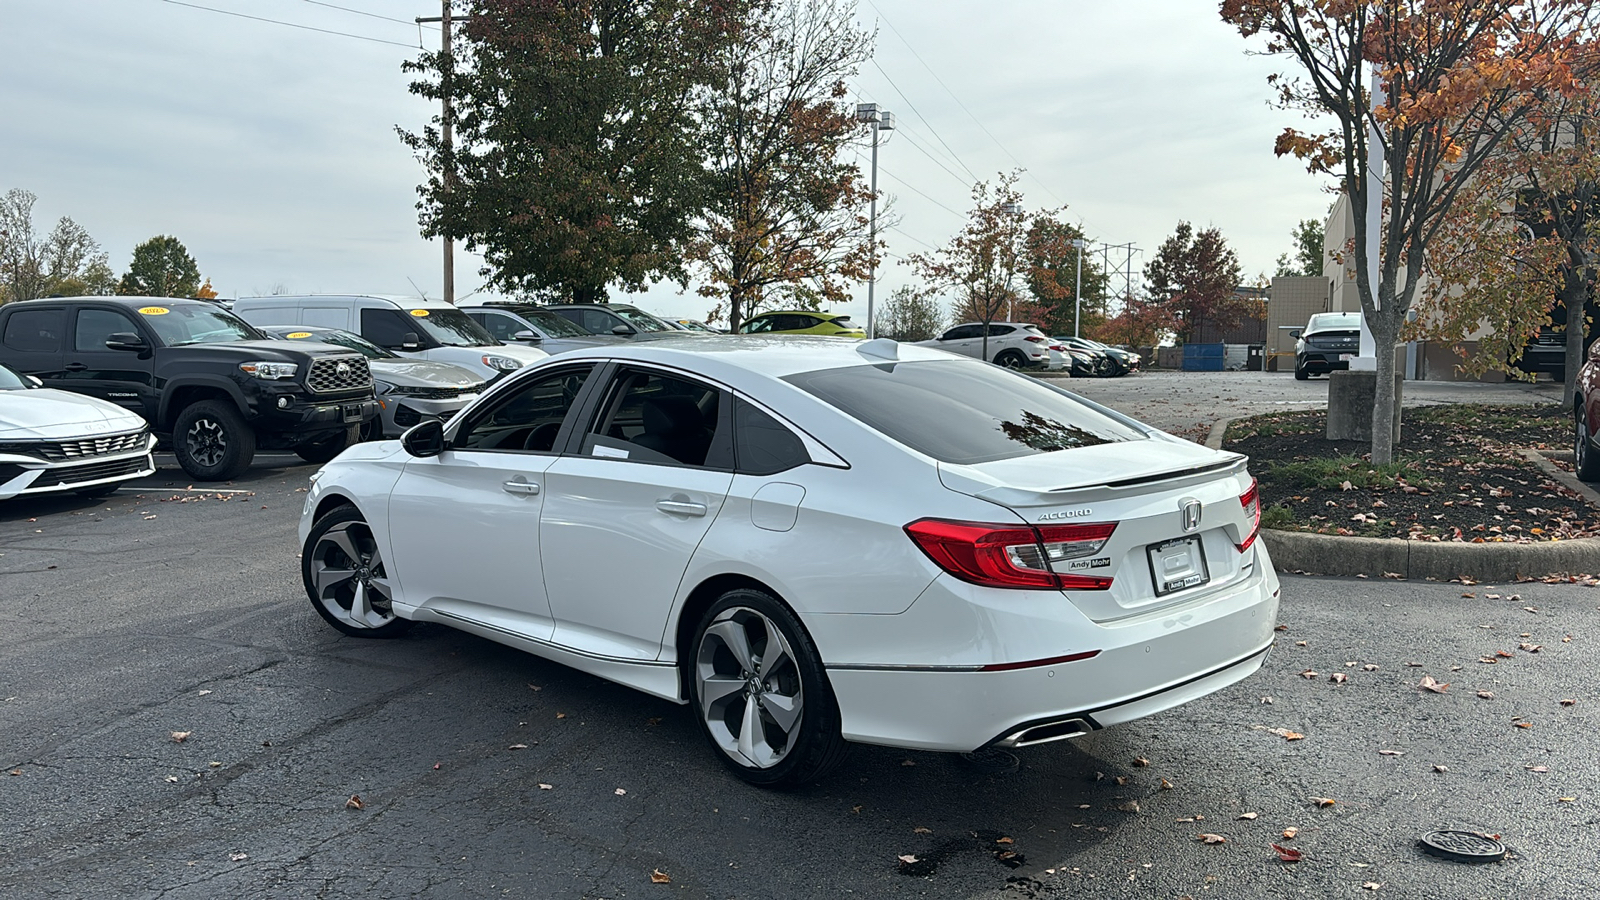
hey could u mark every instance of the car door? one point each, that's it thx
(464, 525)
(624, 514)
(33, 340)
(965, 339)
(504, 327)
(119, 376)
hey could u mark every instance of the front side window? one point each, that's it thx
(652, 417)
(962, 413)
(500, 325)
(96, 325)
(529, 418)
(758, 325)
(962, 332)
(36, 330)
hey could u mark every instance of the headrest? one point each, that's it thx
(670, 416)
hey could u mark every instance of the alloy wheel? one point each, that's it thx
(348, 579)
(749, 687)
(1580, 444)
(207, 442)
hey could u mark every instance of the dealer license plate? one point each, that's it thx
(1178, 565)
(351, 412)
(1344, 357)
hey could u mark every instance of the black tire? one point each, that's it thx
(1301, 374)
(1586, 462)
(359, 603)
(327, 448)
(212, 441)
(1010, 359)
(812, 745)
(99, 490)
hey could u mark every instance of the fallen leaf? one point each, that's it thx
(14, 772)
(1369, 667)
(517, 747)
(1487, 695)
(436, 766)
(1441, 769)
(1290, 832)
(203, 693)
(1391, 753)
(546, 787)
(1372, 885)
(1568, 702)
(1299, 643)
(920, 830)
(1322, 801)
(1523, 724)
(1286, 734)
(1338, 678)
(1248, 816)
(907, 762)
(1166, 785)
(535, 687)
(653, 721)
(181, 736)
(238, 857)
(214, 764)
(1503, 654)
(619, 792)
(354, 802)
(1308, 674)
(1428, 684)
(1566, 799)
(1469, 596)
(1540, 769)
(1212, 839)
(1131, 806)
(660, 877)
(1280, 628)
(1140, 762)
(1121, 780)
(1287, 854)
(908, 858)
(561, 715)
(1004, 840)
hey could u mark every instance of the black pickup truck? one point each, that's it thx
(208, 383)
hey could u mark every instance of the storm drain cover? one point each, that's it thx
(1463, 846)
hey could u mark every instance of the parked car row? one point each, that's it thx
(1021, 345)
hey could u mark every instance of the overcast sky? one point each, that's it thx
(270, 150)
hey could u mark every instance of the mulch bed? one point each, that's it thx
(1457, 476)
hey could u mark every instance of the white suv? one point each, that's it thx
(1015, 345)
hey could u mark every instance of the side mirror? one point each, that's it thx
(1295, 334)
(531, 337)
(624, 330)
(34, 381)
(126, 340)
(424, 439)
(410, 341)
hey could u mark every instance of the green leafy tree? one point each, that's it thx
(161, 267)
(1193, 275)
(1308, 252)
(66, 261)
(1052, 277)
(910, 315)
(786, 204)
(574, 164)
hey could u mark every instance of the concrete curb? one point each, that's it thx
(1325, 554)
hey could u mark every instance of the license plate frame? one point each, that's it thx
(350, 412)
(1345, 357)
(1171, 572)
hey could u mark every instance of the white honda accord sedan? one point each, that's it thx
(811, 542)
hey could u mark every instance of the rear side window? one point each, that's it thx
(658, 418)
(762, 445)
(35, 330)
(960, 412)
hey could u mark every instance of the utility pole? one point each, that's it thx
(880, 120)
(446, 138)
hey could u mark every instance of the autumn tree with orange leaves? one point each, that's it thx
(786, 211)
(1458, 76)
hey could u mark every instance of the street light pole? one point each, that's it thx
(1077, 290)
(880, 120)
(1014, 210)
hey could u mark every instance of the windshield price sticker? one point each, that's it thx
(153, 310)
(297, 335)
(420, 313)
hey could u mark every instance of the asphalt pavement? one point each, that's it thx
(482, 771)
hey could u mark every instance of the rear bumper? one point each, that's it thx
(1144, 665)
(1323, 361)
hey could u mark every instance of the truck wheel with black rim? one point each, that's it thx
(327, 448)
(212, 441)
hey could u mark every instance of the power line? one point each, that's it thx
(931, 157)
(920, 191)
(225, 12)
(361, 12)
(924, 119)
(896, 229)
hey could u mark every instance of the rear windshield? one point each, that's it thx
(1334, 322)
(962, 412)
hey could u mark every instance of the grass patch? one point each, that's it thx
(1331, 474)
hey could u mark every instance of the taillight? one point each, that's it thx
(1251, 501)
(1035, 338)
(1013, 556)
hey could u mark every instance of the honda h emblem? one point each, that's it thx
(1189, 509)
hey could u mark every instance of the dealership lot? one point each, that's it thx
(163, 610)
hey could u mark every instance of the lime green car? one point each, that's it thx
(802, 321)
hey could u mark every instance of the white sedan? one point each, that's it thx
(57, 441)
(811, 541)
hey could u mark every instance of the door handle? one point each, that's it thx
(75, 367)
(681, 507)
(523, 488)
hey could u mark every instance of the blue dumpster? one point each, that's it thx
(1202, 357)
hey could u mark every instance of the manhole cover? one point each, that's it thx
(1463, 846)
(992, 760)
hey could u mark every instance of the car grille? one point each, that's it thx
(92, 471)
(330, 374)
(428, 393)
(85, 448)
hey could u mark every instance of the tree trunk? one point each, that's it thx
(1385, 325)
(1574, 290)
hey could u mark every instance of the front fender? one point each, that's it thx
(218, 382)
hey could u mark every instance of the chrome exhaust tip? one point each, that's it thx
(1044, 734)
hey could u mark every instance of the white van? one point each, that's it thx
(424, 329)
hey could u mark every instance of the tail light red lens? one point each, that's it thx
(1251, 501)
(1013, 556)
(1035, 339)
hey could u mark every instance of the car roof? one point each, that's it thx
(723, 357)
(122, 300)
(397, 299)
